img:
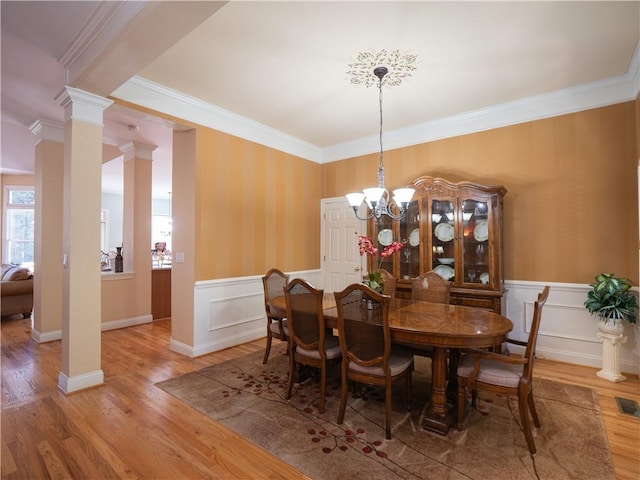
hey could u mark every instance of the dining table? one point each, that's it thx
(443, 327)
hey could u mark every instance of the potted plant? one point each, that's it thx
(611, 300)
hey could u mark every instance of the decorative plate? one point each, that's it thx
(484, 278)
(481, 232)
(444, 232)
(414, 238)
(446, 260)
(445, 271)
(385, 237)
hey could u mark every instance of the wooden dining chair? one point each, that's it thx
(367, 354)
(274, 282)
(389, 283)
(430, 287)
(508, 375)
(309, 341)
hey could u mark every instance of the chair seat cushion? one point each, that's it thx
(275, 328)
(491, 371)
(331, 347)
(398, 363)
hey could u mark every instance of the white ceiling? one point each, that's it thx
(284, 64)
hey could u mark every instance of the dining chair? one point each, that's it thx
(504, 374)
(274, 282)
(430, 287)
(367, 353)
(389, 283)
(310, 343)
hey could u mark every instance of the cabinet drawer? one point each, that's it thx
(476, 302)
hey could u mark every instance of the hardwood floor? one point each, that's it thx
(128, 428)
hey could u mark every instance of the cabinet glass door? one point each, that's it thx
(384, 237)
(442, 238)
(476, 232)
(411, 236)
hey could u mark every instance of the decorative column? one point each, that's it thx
(611, 356)
(81, 278)
(47, 282)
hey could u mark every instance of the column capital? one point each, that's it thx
(82, 106)
(137, 150)
(45, 129)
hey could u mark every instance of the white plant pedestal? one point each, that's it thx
(611, 356)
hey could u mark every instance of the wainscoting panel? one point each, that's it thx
(568, 333)
(229, 312)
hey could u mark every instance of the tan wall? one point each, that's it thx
(638, 128)
(256, 208)
(571, 209)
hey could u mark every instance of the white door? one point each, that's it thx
(341, 261)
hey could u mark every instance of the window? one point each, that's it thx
(19, 225)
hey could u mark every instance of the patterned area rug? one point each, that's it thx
(248, 397)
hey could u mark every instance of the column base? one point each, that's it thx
(612, 377)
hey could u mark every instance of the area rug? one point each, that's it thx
(249, 398)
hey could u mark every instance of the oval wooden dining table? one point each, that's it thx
(440, 326)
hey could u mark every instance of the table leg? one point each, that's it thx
(437, 418)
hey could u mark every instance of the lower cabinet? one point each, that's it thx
(161, 293)
(489, 300)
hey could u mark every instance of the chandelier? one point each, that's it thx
(377, 199)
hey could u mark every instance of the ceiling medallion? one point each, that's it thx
(399, 67)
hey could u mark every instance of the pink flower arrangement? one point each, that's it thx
(366, 247)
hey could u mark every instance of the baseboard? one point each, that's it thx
(126, 322)
(80, 382)
(46, 336)
(54, 335)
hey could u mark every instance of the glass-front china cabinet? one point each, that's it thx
(454, 229)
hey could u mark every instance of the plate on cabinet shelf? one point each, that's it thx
(481, 232)
(445, 271)
(444, 232)
(414, 237)
(446, 260)
(484, 278)
(385, 237)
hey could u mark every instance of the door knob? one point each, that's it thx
(356, 269)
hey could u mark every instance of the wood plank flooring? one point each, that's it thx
(128, 428)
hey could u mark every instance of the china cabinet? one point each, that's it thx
(454, 229)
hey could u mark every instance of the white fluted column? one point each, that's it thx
(611, 356)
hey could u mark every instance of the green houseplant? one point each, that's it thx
(611, 299)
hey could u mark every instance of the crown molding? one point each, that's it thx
(45, 129)
(610, 91)
(553, 104)
(106, 23)
(157, 97)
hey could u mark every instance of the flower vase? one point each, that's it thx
(119, 261)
